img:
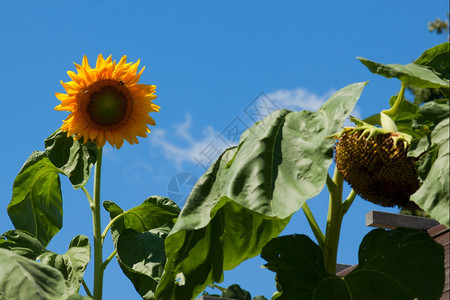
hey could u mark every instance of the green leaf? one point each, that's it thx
(285, 158)
(23, 278)
(72, 264)
(154, 212)
(410, 74)
(433, 195)
(36, 204)
(248, 195)
(234, 291)
(437, 58)
(74, 158)
(142, 257)
(391, 265)
(22, 243)
(430, 114)
(139, 239)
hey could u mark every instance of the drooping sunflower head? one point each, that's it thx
(377, 168)
(106, 103)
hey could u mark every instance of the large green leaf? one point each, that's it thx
(248, 195)
(142, 257)
(391, 265)
(74, 158)
(139, 239)
(410, 74)
(433, 195)
(23, 278)
(437, 58)
(22, 243)
(36, 204)
(72, 264)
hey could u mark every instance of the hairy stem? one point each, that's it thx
(86, 288)
(110, 257)
(105, 231)
(320, 237)
(334, 221)
(348, 202)
(96, 221)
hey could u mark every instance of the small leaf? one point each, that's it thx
(74, 158)
(22, 243)
(154, 212)
(234, 291)
(437, 58)
(23, 278)
(433, 196)
(391, 265)
(142, 257)
(430, 114)
(410, 74)
(36, 204)
(72, 264)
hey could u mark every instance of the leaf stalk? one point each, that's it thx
(334, 221)
(320, 237)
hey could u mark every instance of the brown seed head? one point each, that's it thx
(377, 169)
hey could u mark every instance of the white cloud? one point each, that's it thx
(298, 99)
(187, 149)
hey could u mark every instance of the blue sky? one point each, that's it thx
(212, 61)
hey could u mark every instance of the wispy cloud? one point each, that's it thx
(181, 147)
(299, 99)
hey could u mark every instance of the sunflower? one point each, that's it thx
(106, 103)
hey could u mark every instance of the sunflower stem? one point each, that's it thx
(334, 221)
(96, 221)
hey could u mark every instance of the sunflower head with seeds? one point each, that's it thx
(106, 103)
(374, 162)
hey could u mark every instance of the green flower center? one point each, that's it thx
(108, 106)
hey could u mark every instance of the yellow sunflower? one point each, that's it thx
(106, 103)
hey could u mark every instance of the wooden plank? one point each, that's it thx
(346, 271)
(341, 267)
(391, 221)
(438, 231)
